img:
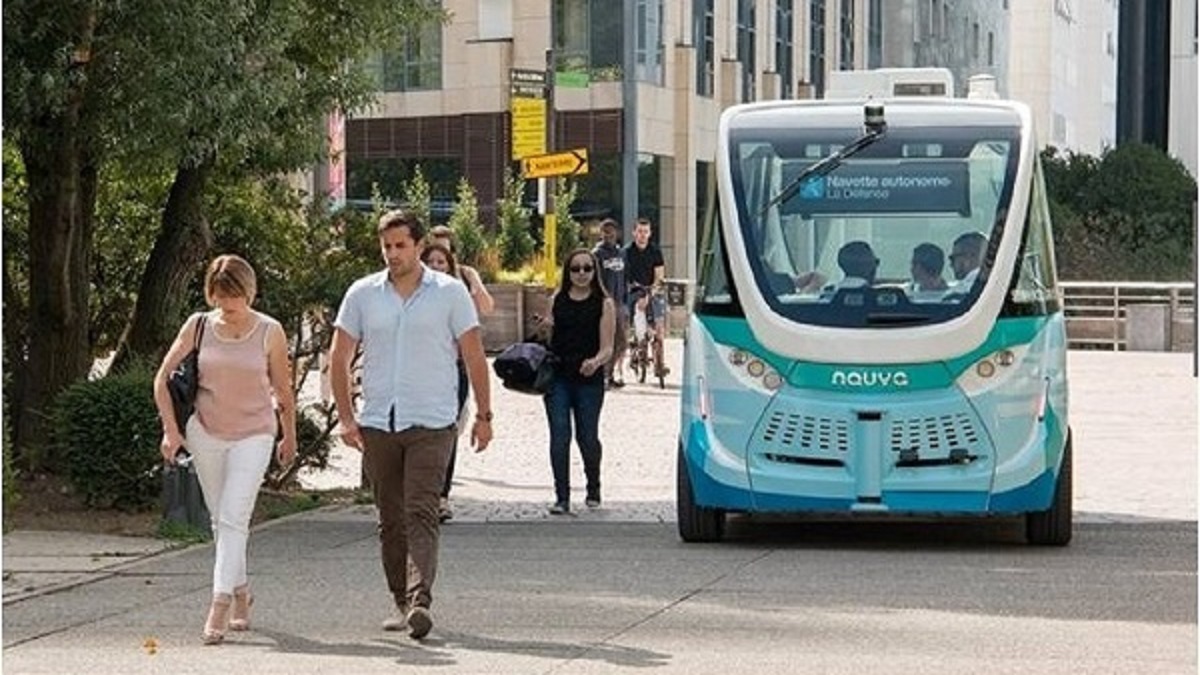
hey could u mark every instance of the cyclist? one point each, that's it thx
(644, 272)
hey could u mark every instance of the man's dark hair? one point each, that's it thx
(858, 260)
(402, 218)
(930, 258)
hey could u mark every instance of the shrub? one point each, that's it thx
(567, 237)
(107, 433)
(515, 242)
(313, 443)
(11, 494)
(469, 237)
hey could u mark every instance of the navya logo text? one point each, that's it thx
(869, 378)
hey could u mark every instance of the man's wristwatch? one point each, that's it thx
(484, 416)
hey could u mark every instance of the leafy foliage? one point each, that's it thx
(567, 236)
(469, 236)
(515, 242)
(107, 433)
(1126, 215)
(417, 198)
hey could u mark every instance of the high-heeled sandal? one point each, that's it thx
(218, 620)
(243, 600)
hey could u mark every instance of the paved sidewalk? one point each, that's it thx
(1134, 416)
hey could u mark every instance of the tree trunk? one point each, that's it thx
(62, 192)
(182, 246)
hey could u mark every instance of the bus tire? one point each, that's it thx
(1052, 527)
(696, 523)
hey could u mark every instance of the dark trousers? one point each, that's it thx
(464, 387)
(567, 399)
(407, 469)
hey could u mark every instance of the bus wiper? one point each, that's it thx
(896, 319)
(876, 127)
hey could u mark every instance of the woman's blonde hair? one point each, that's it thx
(230, 276)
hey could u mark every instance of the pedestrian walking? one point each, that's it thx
(580, 335)
(611, 258)
(244, 382)
(411, 324)
(438, 256)
(484, 306)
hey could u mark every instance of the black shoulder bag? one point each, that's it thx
(184, 381)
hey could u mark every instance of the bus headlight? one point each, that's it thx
(751, 371)
(772, 380)
(992, 370)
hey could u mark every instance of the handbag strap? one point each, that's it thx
(199, 333)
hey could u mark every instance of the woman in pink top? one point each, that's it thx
(244, 379)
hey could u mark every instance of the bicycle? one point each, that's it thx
(646, 349)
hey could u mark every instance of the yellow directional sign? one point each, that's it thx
(569, 163)
(528, 127)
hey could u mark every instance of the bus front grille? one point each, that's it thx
(939, 435)
(806, 433)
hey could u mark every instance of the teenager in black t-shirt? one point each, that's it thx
(644, 272)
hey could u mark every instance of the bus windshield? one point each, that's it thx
(896, 235)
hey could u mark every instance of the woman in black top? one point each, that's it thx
(582, 321)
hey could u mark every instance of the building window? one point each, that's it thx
(702, 36)
(975, 41)
(784, 48)
(991, 49)
(846, 62)
(816, 48)
(414, 65)
(875, 34)
(588, 39)
(495, 20)
(649, 47)
(746, 47)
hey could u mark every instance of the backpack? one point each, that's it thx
(526, 367)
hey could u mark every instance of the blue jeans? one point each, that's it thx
(569, 397)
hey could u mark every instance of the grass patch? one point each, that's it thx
(272, 505)
(182, 533)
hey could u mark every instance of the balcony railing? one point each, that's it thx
(1106, 315)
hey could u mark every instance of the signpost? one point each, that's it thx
(568, 163)
(528, 107)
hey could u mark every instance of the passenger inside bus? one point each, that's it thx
(965, 258)
(858, 263)
(928, 260)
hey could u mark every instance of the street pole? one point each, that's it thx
(546, 185)
(629, 126)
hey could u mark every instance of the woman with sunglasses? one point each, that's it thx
(581, 337)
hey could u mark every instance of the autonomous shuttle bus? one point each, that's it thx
(877, 326)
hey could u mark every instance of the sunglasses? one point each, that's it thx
(581, 269)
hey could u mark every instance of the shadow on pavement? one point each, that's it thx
(437, 649)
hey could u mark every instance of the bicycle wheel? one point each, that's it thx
(660, 368)
(643, 360)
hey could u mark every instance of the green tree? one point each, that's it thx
(1123, 216)
(515, 242)
(89, 83)
(464, 221)
(417, 198)
(567, 228)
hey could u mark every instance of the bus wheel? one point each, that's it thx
(1053, 526)
(696, 523)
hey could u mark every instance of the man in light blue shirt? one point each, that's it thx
(411, 323)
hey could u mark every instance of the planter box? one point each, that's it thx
(511, 321)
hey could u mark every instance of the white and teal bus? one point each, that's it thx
(877, 327)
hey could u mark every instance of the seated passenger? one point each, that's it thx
(858, 264)
(965, 258)
(926, 268)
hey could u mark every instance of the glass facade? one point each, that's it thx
(746, 29)
(785, 48)
(816, 47)
(703, 29)
(588, 38)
